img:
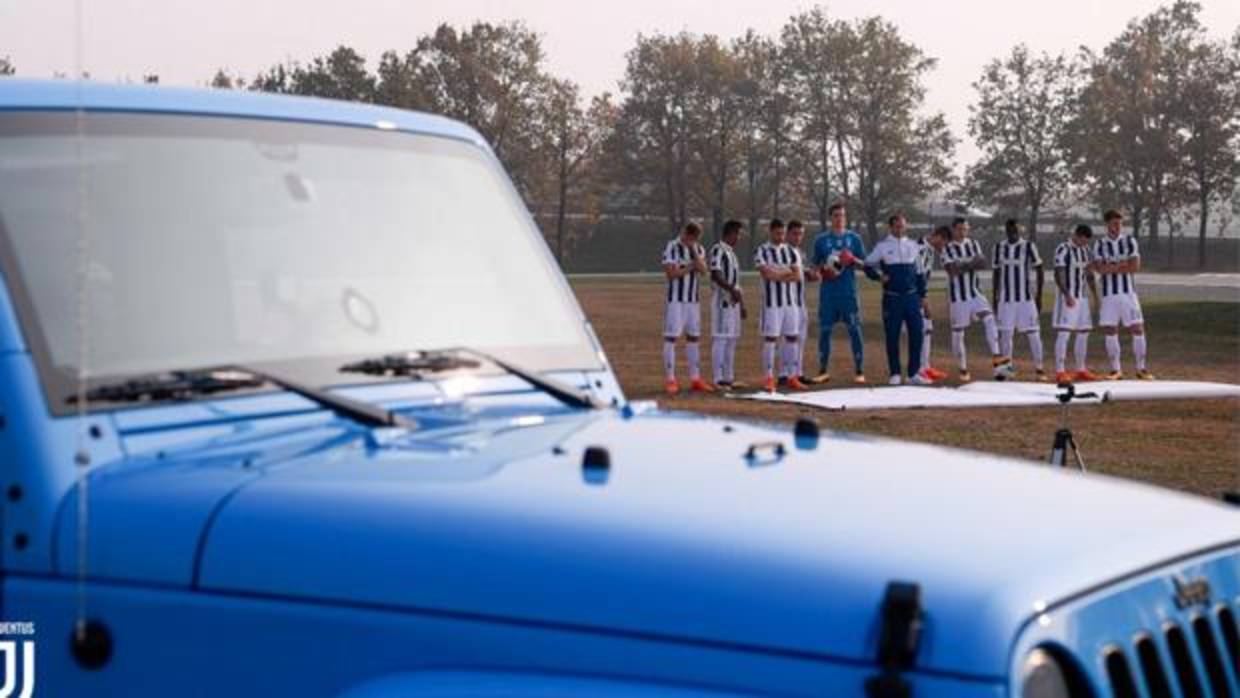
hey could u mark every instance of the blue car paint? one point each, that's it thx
(260, 545)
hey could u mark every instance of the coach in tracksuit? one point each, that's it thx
(897, 259)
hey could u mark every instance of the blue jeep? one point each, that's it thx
(295, 402)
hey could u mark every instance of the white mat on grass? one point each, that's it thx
(997, 394)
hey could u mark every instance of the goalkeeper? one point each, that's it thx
(837, 254)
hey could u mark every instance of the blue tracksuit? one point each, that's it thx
(837, 298)
(899, 260)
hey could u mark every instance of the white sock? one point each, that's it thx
(729, 361)
(768, 358)
(1082, 349)
(694, 354)
(992, 334)
(1005, 342)
(669, 359)
(789, 358)
(1061, 350)
(1138, 350)
(958, 349)
(718, 358)
(1035, 347)
(925, 343)
(1112, 342)
(799, 363)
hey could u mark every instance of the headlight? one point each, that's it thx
(1043, 677)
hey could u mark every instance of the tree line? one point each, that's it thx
(825, 110)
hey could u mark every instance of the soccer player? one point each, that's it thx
(1115, 260)
(1012, 261)
(683, 260)
(837, 253)
(927, 250)
(962, 257)
(1071, 315)
(727, 304)
(781, 317)
(897, 260)
(795, 237)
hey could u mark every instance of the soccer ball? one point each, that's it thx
(833, 261)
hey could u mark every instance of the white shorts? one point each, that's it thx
(1022, 317)
(1076, 318)
(725, 322)
(781, 322)
(683, 318)
(1123, 309)
(965, 312)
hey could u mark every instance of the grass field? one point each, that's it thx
(1191, 445)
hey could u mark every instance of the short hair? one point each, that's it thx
(776, 223)
(1111, 214)
(943, 232)
(1084, 231)
(837, 206)
(794, 223)
(959, 220)
(891, 220)
(732, 226)
(693, 229)
(1010, 224)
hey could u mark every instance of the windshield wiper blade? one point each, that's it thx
(415, 363)
(185, 385)
(412, 364)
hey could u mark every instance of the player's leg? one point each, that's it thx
(1081, 350)
(828, 315)
(856, 341)
(718, 344)
(693, 352)
(1028, 322)
(960, 321)
(1135, 322)
(1000, 361)
(926, 336)
(792, 342)
(803, 314)
(1108, 318)
(893, 322)
(673, 325)
(914, 321)
(769, 322)
(1005, 322)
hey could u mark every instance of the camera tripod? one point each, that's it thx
(1065, 442)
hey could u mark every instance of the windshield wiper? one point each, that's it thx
(415, 364)
(184, 385)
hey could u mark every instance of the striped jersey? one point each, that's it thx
(925, 258)
(777, 294)
(798, 286)
(1118, 249)
(723, 260)
(964, 286)
(1014, 262)
(682, 289)
(1074, 260)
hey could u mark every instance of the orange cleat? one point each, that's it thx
(935, 374)
(671, 387)
(1087, 375)
(1063, 377)
(795, 383)
(700, 386)
(769, 384)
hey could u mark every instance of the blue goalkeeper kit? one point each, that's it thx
(837, 298)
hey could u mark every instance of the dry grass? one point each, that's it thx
(1192, 445)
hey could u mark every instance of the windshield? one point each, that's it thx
(228, 241)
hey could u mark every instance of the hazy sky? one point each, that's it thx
(184, 41)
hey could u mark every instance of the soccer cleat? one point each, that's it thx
(1040, 376)
(724, 386)
(1003, 368)
(821, 378)
(1063, 377)
(769, 384)
(859, 379)
(965, 376)
(1115, 376)
(783, 381)
(935, 373)
(1145, 375)
(1086, 375)
(737, 385)
(920, 379)
(671, 386)
(795, 383)
(700, 386)
(895, 380)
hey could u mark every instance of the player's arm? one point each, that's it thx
(1093, 285)
(674, 271)
(995, 273)
(872, 263)
(1041, 282)
(1061, 282)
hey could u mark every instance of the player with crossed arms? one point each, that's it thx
(683, 259)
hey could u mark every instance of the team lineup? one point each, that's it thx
(1088, 272)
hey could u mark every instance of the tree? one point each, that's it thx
(6, 66)
(224, 80)
(764, 95)
(341, 74)
(715, 116)
(1211, 124)
(1018, 124)
(573, 138)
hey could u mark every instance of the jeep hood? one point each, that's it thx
(687, 539)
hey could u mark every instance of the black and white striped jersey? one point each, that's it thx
(1074, 260)
(1014, 262)
(723, 260)
(682, 289)
(777, 294)
(925, 258)
(963, 287)
(798, 286)
(1115, 250)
